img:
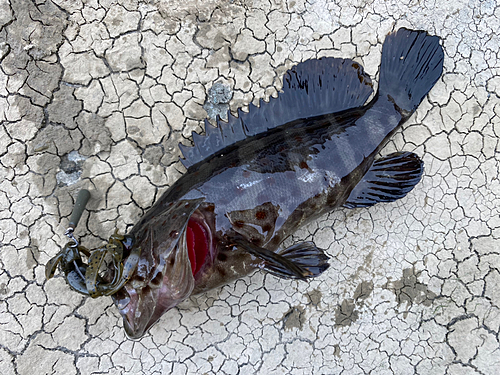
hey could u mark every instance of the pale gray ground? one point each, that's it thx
(98, 93)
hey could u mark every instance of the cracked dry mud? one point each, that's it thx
(98, 93)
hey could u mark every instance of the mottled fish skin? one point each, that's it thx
(263, 187)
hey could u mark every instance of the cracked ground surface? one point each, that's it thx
(98, 93)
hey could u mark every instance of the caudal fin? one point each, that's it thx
(412, 62)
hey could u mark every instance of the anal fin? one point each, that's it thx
(301, 261)
(389, 179)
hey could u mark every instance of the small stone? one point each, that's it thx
(71, 169)
(220, 93)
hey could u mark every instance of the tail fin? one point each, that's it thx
(412, 62)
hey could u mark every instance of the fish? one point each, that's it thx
(253, 180)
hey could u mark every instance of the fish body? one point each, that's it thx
(251, 182)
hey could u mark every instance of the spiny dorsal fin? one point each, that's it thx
(312, 88)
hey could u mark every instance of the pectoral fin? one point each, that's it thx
(301, 261)
(389, 178)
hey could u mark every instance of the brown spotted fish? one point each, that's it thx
(253, 180)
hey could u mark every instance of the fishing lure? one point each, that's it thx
(253, 180)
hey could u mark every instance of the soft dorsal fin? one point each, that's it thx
(312, 88)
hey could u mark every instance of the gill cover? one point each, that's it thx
(163, 277)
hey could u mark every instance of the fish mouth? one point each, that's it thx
(171, 280)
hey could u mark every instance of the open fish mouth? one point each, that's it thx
(174, 252)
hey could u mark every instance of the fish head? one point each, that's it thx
(174, 247)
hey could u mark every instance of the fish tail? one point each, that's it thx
(412, 62)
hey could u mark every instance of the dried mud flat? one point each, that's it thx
(98, 93)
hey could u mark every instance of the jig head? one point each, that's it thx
(84, 277)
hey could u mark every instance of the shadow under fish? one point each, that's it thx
(253, 180)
